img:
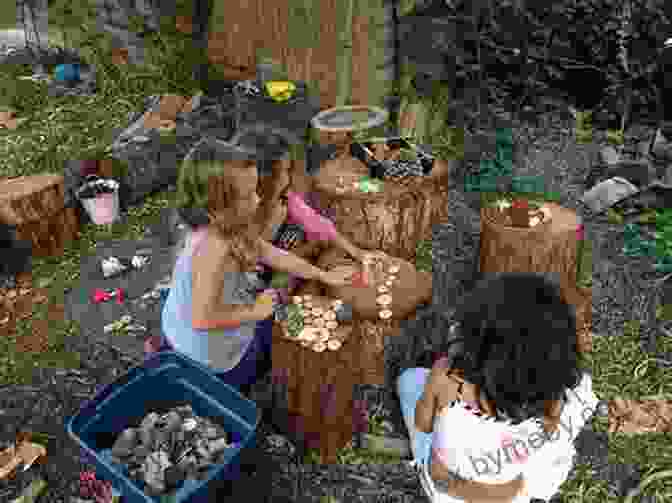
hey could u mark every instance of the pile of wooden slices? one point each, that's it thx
(319, 325)
(384, 300)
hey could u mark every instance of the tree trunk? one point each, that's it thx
(549, 248)
(393, 220)
(320, 390)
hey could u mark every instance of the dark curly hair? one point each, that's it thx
(520, 346)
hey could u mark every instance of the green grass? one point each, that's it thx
(423, 257)
(79, 128)
(7, 14)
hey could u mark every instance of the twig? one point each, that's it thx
(658, 282)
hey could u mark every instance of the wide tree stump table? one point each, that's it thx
(393, 220)
(550, 248)
(405, 289)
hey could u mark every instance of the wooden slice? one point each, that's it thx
(384, 300)
(334, 345)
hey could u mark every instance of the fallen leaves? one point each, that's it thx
(633, 417)
(20, 304)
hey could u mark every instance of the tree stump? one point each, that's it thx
(393, 220)
(409, 289)
(320, 388)
(550, 248)
(36, 206)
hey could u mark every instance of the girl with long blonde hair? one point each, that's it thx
(213, 312)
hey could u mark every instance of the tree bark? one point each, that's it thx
(549, 248)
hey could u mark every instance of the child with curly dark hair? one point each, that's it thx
(498, 422)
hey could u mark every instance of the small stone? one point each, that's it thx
(189, 424)
(602, 409)
(217, 446)
(174, 477)
(186, 463)
(125, 443)
(344, 313)
(140, 139)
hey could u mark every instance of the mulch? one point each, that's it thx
(54, 395)
(18, 304)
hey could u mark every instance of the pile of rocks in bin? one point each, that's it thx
(167, 450)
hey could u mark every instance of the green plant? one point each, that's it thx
(664, 312)
(424, 256)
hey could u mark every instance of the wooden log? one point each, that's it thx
(35, 205)
(320, 389)
(550, 247)
(393, 220)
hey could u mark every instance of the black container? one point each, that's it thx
(376, 168)
(364, 152)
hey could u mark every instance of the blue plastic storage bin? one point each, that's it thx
(163, 381)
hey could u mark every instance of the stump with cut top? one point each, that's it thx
(550, 248)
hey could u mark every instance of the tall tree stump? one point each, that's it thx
(550, 248)
(320, 386)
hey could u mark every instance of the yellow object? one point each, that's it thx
(280, 90)
(265, 299)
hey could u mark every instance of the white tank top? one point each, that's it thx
(494, 452)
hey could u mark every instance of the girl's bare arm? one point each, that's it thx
(209, 271)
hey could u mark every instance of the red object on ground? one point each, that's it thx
(100, 296)
(103, 296)
(521, 203)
